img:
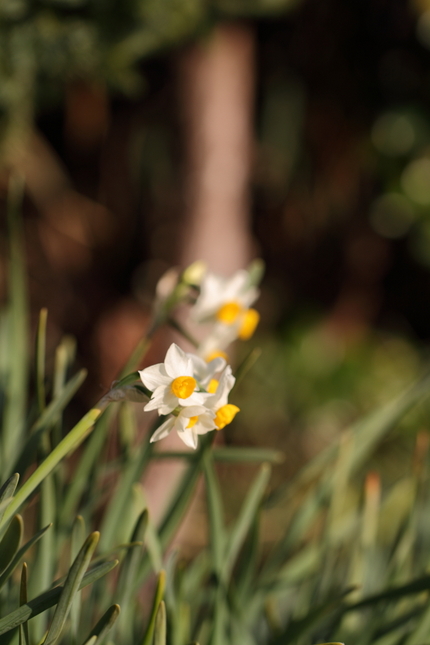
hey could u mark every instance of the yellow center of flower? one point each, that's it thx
(183, 386)
(225, 415)
(192, 422)
(216, 354)
(249, 322)
(228, 313)
(213, 386)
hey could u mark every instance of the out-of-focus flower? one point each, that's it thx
(227, 303)
(190, 422)
(172, 383)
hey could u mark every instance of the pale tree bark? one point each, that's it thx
(216, 87)
(217, 91)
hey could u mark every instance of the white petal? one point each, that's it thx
(163, 430)
(199, 367)
(192, 411)
(177, 362)
(205, 424)
(154, 376)
(225, 385)
(236, 285)
(189, 438)
(196, 398)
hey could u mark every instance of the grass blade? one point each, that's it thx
(50, 598)
(158, 596)
(40, 360)
(160, 625)
(216, 515)
(245, 519)
(23, 597)
(71, 587)
(70, 442)
(19, 554)
(10, 542)
(105, 624)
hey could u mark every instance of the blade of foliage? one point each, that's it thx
(78, 536)
(129, 568)
(23, 598)
(40, 359)
(70, 442)
(19, 554)
(48, 417)
(216, 515)
(105, 624)
(119, 500)
(44, 564)
(160, 625)
(158, 596)
(417, 586)
(71, 587)
(300, 627)
(50, 598)
(367, 432)
(7, 491)
(15, 406)
(82, 475)
(246, 365)
(11, 541)
(246, 517)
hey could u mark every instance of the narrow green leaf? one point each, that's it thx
(19, 554)
(228, 454)
(246, 365)
(244, 455)
(64, 357)
(78, 536)
(7, 492)
(23, 597)
(88, 459)
(91, 640)
(158, 596)
(71, 587)
(45, 561)
(302, 626)
(160, 625)
(11, 541)
(46, 419)
(70, 442)
(245, 519)
(122, 495)
(216, 515)
(40, 359)
(130, 566)
(13, 426)
(417, 586)
(367, 432)
(50, 598)
(105, 624)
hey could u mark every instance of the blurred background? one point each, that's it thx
(152, 133)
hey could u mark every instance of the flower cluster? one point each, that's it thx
(192, 392)
(193, 389)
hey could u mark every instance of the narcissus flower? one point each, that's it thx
(172, 383)
(190, 422)
(227, 302)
